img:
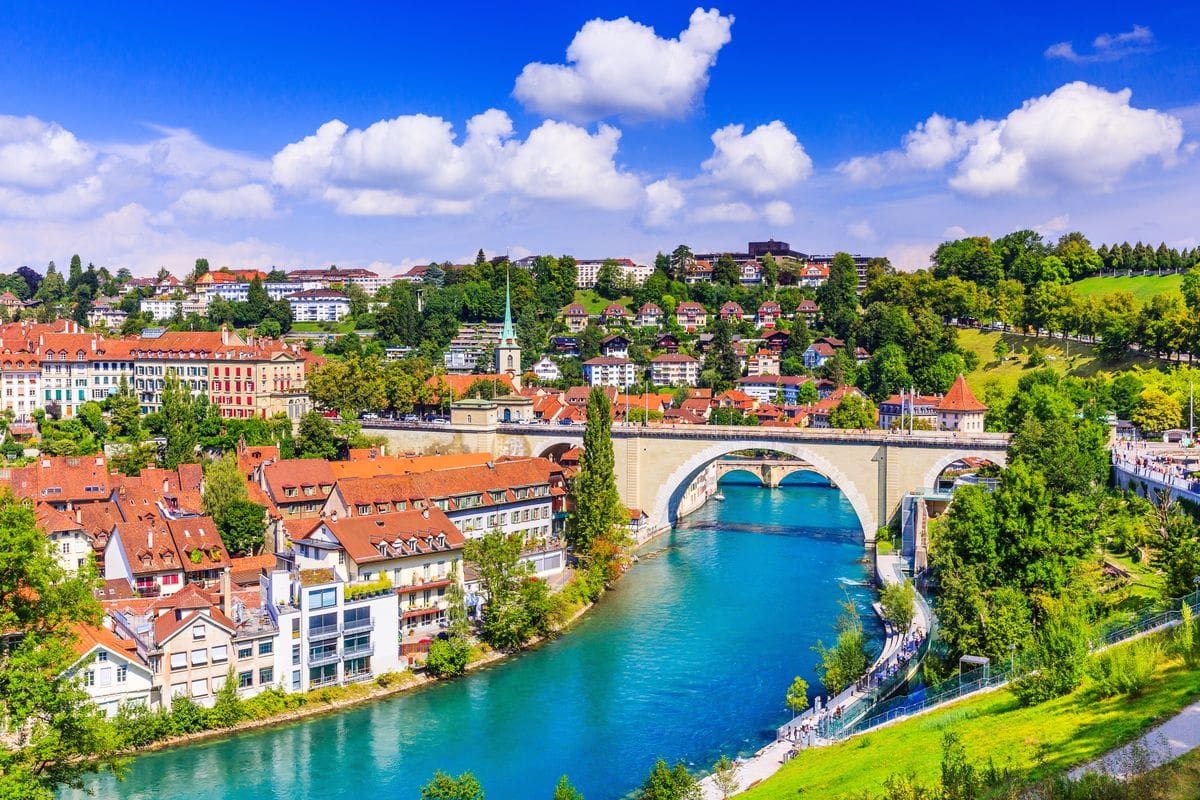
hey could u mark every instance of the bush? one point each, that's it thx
(1125, 670)
(186, 716)
(138, 726)
(1062, 650)
(448, 657)
(227, 711)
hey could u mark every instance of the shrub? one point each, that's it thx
(227, 711)
(1062, 649)
(138, 726)
(448, 657)
(186, 716)
(1125, 670)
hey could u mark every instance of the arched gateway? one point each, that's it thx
(656, 464)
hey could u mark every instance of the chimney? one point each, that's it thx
(79, 516)
(226, 593)
(150, 539)
(224, 335)
(166, 486)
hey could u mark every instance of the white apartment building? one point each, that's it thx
(162, 308)
(327, 638)
(674, 369)
(605, 371)
(546, 370)
(319, 305)
(20, 383)
(587, 272)
(240, 292)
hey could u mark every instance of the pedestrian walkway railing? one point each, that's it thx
(885, 710)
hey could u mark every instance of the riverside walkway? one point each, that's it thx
(898, 659)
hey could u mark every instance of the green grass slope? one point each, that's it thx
(1142, 287)
(1041, 740)
(594, 303)
(1068, 358)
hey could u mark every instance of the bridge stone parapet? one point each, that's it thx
(655, 464)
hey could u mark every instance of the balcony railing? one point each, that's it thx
(324, 631)
(359, 650)
(323, 682)
(361, 624)
(358, 677)
(317, 658)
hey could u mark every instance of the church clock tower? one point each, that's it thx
(508, 351)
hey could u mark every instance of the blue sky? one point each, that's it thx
(298, 134)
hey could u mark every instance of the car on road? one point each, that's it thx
(567, 421)
(410, 418)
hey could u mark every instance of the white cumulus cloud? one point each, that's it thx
(1079, 136)
(861, 230)
(766, 160)
(251, 201)
(724, 212)
(413, 166)
(622, 67)
(778, 212)
(663, 201)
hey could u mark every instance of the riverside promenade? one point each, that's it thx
(803, 730)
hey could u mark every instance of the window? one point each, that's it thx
(170, 580)
(122, 673)
(199, 687)
(245, 679)
(65, 547)
(266, 647)
(178, 660)
(199, 657)
(266, 675)
(102, 656)
(89, 678)
(218, 682)
(295, 654)
(220, 653)
(245, 651)
(322, 598)
(289, 492)
(198, 632)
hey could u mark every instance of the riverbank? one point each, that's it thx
(341, 698)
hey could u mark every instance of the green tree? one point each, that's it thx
(598, 510)
(796, 698)
(1000, 349)
(1156, 411)
(853, 411)
(178, 423)
(125, 412)
(838, 295)
(885, 373)
(899, 601)
(243, 527)
(722, 360)
(228, 710)
(608, 280)
(450, 787)
(54, 735)
(563, 790)
(223, 485)
(845, 662)
(726, 272)
(669, 783)
(724, 777)
(496, 556)
(316, 437)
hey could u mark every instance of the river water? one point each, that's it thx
(687, 659)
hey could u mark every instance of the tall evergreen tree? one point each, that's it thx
(598, 510)
(838, 295)
(722, 361)
(179, 423)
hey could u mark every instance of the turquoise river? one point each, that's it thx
(687, 659)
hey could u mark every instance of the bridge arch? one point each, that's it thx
(1000, 459)
(555, 450)
(670, 492)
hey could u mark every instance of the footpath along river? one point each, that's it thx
(688, 658)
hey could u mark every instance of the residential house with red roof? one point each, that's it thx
(691, 316)
(649, 316)
(732, 311)
(614, 314)
(809, 311)
(109, 669)
(576, 317)
(299, 487)
(763, 362)
(768, 314)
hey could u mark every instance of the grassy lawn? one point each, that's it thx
(1147, 583)
(1069, 358)
(345, 326)
(1143, 288)
(1057, 735)
(594, 303)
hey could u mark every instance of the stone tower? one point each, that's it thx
(508, 350)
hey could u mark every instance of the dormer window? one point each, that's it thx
(309, 491)
(363, 509)
(290, 491)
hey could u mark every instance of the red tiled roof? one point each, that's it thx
(297, 473)
(362, 537)
(961, 398)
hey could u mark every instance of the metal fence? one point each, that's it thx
(880, 712)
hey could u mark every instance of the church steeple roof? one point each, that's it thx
(507, 334)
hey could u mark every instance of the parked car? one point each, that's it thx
(566, 421)
(440, 421)
(411, 418)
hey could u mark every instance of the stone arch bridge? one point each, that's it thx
(655, 465)
(771, 471)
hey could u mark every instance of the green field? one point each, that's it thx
(1142, 288)
(1068, 358)
(594, 303)
(1041, 740)
(345, 326)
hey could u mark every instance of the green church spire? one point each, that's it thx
(507, 334)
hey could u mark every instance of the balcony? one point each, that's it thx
(354, 625)
(359, 650)
(317, 658)
(323, 682)
(358, 677)
(324, 631)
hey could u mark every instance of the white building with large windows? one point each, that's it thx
(109, 670)
(319, 305)
(606, 371)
